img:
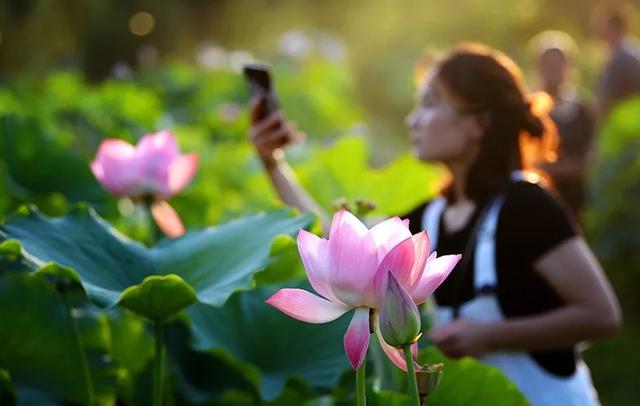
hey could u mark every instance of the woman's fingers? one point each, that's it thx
(271, 134)
(270, 122)
(285, 133)
(275, 139)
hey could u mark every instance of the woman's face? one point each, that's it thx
(439, 132)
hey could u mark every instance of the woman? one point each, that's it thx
(528, 290)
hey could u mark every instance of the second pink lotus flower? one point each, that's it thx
(154, 169)
(350, 271)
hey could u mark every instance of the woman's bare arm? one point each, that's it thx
(269, 136)
(591, 310)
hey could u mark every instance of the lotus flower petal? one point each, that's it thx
(156, 153)
(406, 261)
(436, 271)
(313, 251)
(306, 306)
(421, 245)
(181, 172)
(161, 146)
(167, 219)
(389, 233)
(356, 339)
(399, 261)
(115, 167)
(352, 258)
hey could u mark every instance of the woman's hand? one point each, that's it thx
(270, 134)
(462, 338)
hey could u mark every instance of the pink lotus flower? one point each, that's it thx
(350, 271)
(154, 169)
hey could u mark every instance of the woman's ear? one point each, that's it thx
(478, 124)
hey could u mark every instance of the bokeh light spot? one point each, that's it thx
(141, 23)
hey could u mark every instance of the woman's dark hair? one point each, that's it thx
(519, 133)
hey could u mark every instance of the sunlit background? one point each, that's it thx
(376, 42)
(97, 68)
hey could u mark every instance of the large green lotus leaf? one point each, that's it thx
(469, 382)
(215, 377)
(286, 264)
(201, 377)
(343, 171)
(272, 346)
(205, 265)
(39, 348)
(465, 382)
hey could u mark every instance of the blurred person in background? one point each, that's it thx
(573, 116)
(620, 78)
(528, 289)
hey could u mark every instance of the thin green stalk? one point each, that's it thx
(384, 372)
(411, 377)
(154, 231)
(86, 372)
(158, 373)
(361, 389)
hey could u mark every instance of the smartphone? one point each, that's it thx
(258, 76)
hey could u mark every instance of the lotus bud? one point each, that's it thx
(399, 316)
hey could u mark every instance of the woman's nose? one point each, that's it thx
(412, 118)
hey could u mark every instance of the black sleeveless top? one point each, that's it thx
(532, 221)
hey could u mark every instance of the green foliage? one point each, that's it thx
(50, 133)
(483, 385)
(206, 265)
(39, 348)
(131, 345)
(612, 229)
(242, 352)
(59, 123)
(343, 171)
(7, 390)
(159, 297)
(285, 264)
(272, 346)
(24, 141)
(613, 216)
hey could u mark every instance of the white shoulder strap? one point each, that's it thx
(485, 251)
(431, 220)
(527, 176)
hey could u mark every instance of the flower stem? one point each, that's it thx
(158, 390)
(361, 390)
(154, 231)
(86, 372)
(411, 376)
